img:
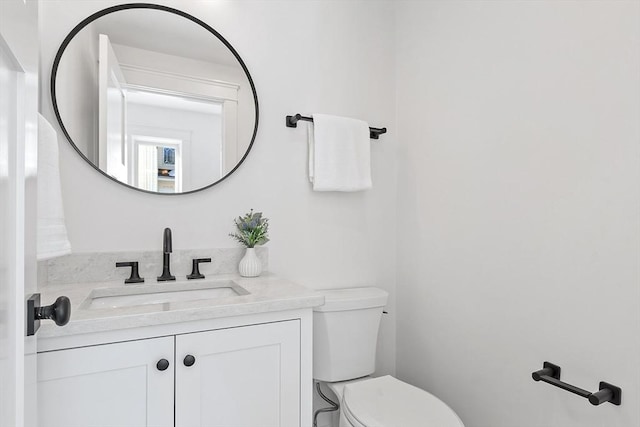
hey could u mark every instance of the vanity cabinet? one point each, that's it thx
(237, 376)
(107, 385)
(247, 376)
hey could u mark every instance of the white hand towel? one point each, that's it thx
(339, 154)
(52, 231)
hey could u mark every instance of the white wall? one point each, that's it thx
(519, 169)
(306, 57)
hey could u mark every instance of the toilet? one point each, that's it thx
(345, 334)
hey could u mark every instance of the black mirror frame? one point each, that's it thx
(93, 17)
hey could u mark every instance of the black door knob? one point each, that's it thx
(59, 312)
(189, 360)
(162, 364)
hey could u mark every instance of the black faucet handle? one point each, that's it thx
(195, 269)
(167, 241)
(135, 276)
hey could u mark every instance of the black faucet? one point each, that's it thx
(166, 261)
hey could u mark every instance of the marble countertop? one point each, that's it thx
(266, 293)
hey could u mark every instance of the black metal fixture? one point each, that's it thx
(292, 122)
(195, 268)
(167, 248)
(134, 277)
(59, 312)
(550, 374)
(162, 364)
(189, 360)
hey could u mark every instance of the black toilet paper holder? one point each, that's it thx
(550, 374)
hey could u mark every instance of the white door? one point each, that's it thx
(117, 385)
(18, 167)
(112, 99)
(243, 377)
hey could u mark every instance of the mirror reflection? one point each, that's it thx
(154, 100)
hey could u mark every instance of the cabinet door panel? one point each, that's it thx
(243, 377)
(115, 385)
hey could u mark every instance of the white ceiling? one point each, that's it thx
(164, 32)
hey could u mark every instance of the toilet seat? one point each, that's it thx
(389, 402)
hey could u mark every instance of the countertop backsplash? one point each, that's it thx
(101, 266)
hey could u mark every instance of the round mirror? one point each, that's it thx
(154, 98)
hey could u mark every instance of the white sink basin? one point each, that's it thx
(136, 295)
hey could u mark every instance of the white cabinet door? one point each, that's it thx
(113, 385)
(243, 377)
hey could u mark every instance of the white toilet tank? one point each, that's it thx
(345, 333)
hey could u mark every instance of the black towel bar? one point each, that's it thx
(550, 374)
(292, 122)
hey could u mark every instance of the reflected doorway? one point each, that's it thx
(157, 163)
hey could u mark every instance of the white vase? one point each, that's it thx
(250, 265)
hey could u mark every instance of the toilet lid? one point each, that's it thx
(388, 402)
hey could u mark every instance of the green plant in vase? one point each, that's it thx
(252, 230)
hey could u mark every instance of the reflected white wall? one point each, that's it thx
(79, 76)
